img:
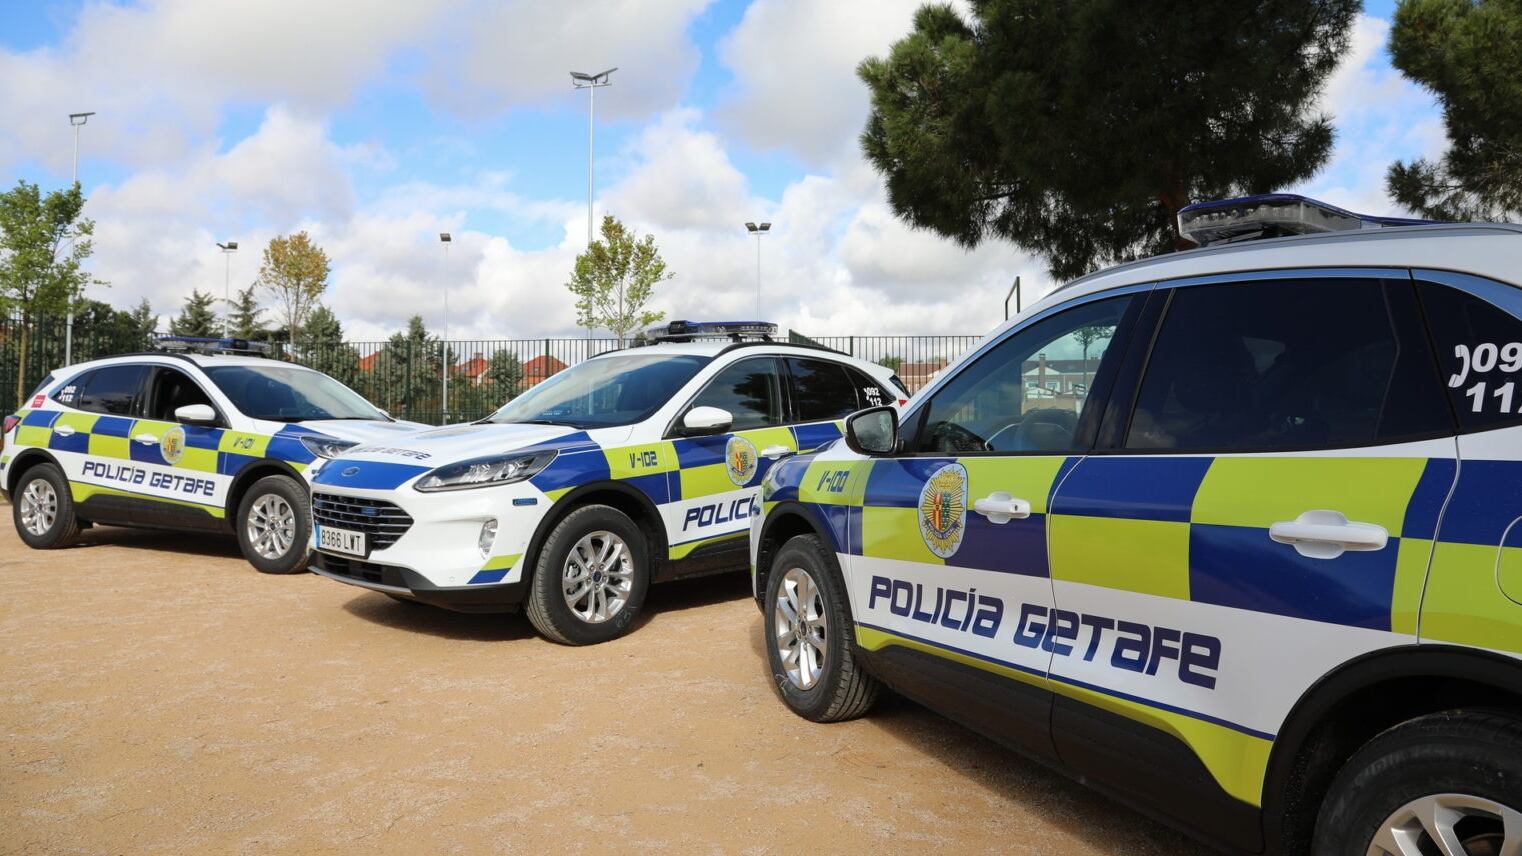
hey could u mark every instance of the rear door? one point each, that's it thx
(1268, 515)
(91, 440)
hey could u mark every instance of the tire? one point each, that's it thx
(586, 529)
(262, 501)
(842, 689)
(1469, 761)
(49, 493)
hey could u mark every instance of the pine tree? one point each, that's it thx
(322, 346)
(196, 317)
(245, 317)
(410, 366)
(145, 324)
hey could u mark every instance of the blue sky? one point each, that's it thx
(387, 122)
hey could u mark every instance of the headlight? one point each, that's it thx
(326, 447)
(486, 472)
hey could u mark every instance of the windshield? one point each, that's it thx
(289, 394)
(604, 392)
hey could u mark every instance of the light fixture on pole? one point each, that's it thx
(758, 231)
(228, 249)
(591, 83)
(77, 120)
(446, 239)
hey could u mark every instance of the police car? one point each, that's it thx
(1233, 534)
(200, 435)
(632, 467)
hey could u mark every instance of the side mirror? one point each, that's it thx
(873, 431)
(706, 420)
(196, 414)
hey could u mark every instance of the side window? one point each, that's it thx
(173, 389)
(751, 390)
(1028, 393)
(1288, 364)
(1479, 350)
(113, 390)
(821, 390)
(870, 393)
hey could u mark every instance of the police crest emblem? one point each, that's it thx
(943, 510)
(172, 445)
(740, 460)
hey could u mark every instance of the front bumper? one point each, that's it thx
(409, 584)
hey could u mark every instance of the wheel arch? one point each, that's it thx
(627, 499)
(24, 461)
(248, 476)
(785, 521)
(1356, 702)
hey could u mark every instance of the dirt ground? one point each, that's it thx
(158, 695)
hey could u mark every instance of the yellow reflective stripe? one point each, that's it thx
(1259, 491)
(1027, 478)
(681, 551)
(497, 563)
(706, 480)
(1237, 761)
(557, 493)
(80, 492)
(1411, 563)
(764, 437)
(1509, 571)
(109, 447)
(823, 482)
(82, 422)
(1463, 604)
(33, 435)
(626, 461)
(894, 533)
(1143, 556)
(244, 443)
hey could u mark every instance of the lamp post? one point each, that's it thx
(77, 120)
(591, 83)
(758, 231)
(446, 240)
(228, 248)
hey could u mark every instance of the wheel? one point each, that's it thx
(1449, 783)
(274, 525)
(590, 578)
(44, 508)
(808, 635)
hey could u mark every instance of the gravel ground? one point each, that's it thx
(158, 695)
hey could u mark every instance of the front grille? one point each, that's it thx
(381, 521)
(356, 569)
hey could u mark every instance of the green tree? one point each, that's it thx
(892, 363)
(1087, 336)
(101, 330)
(295, 272)
(145, 324)
(196, 317)
(323, 347)
(410, 365)
(245, 317)
(1469, 54)
(43, 241)
(504, 376)
(614, 279)
(1078, 130)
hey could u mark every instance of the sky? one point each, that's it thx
(375, 125)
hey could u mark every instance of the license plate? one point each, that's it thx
(341, 541)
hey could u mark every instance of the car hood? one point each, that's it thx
(363, 431)
(439, 446)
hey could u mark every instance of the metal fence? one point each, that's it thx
(404, 375)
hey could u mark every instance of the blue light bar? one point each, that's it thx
(210, 345)
(1273, 215)
(687, 331)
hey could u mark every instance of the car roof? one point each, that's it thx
(165, 358)
(748, 347)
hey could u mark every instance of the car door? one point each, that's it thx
(91, 439)
(1267, 515)
(185, 455)
(719, 474)
(949, 577)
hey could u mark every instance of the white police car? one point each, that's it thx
(633, 467)
(1231, 534)
(197, 436)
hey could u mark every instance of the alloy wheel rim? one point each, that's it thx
(1451, 825)
(598, 577)
(39, 507)
(271, 526)
(799, 628)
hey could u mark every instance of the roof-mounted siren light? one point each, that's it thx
(210, 345)
(689, 331)
(1273, 215)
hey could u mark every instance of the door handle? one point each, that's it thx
(1325, 534)
(774, 452)
(1000, 507)
(146, 439)
(64, 430)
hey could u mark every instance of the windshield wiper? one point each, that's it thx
(541, 422)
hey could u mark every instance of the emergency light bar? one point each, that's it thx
(1273, 215)
(688, 331)
(210, 345)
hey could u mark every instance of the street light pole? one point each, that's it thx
(758, 231)
(77, 120)
(591, 83)
(228, 249)
(446, 240)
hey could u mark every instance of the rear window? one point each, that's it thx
(1479, 351)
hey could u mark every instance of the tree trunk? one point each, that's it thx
(26, 335)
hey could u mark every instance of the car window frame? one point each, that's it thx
(793, 416)
(1132, 320)
(1166, 289)
(138, 397)
(673, 428)
(1504, 296)
(152, 387)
